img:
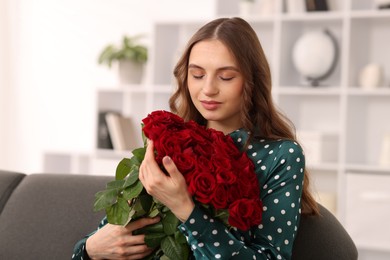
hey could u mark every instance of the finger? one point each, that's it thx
(171, 168)
(144, 165)
(149, 150)
(142, 222)
(141, 255)
(134, 252)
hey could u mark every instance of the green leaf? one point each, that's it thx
(136, 206)
(118, 213)
(170, 223)
(133, 176)
(154, 239)
(104, 199)
(133, 191)
(180, 238)
(139, 153)
(174, 250)
(123, 169)
(155, 228)
(153, 213)
(146, 201)
(115, 185)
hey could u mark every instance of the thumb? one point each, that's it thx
(171, 168)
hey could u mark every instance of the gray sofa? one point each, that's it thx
(43, 215)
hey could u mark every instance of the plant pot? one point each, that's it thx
(130, 72)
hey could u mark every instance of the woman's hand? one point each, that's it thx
(170, 190)
(117, 242)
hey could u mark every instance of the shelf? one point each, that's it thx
(369, 93)
(369, 34)
(309, 90)
(313, 16)
(364, 168)
(312, 112)
(367, 125)
(109, 153)
(374, 14)
(330, 167)
(365, 6)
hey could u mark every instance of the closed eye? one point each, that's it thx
(226, 78)
(197, 76)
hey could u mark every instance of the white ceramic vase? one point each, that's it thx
(130, 73)
(370, 76)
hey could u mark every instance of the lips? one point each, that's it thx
(210, 105)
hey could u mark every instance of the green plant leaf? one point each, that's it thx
(106, 55)
(123, 169)
(146, 201)
(153, 213)
(170, 223)
(104, 199)
(155, 228)
(107, 197)
(137, 209)
(118, 213)
(133, 191)
(133, 176)
(139, 154)
(174, 250)
(154, 239)
(180, 238)
(115, 185)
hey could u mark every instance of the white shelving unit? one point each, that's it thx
(350, 121)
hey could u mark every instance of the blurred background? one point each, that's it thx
(331, 75)
(50, 74)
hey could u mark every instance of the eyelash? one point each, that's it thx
(224, 79)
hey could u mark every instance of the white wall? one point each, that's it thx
(4, 78)
(51, 73)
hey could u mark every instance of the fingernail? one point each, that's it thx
(167, 159)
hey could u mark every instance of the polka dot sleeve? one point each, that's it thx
(279, 166)
(79, 251)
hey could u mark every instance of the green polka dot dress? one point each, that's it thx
(279, 165)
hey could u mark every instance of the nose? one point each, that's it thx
(210, 87)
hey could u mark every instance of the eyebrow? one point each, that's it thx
(194, 66)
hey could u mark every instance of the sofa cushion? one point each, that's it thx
(47, 214)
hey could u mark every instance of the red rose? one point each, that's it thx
(204, 164)
(224, 144)
(220, 198)
(202, 186)
(245, 213)
(185, 161)
(226, 177)
(248, 182)
(234, 193)
(159, 121)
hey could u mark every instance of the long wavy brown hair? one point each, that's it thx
(259, 115)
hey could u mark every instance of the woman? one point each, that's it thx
(224, 82)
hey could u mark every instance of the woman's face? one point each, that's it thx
(215, 84)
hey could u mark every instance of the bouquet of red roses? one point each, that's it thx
(219, 176)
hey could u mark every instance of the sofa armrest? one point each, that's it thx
(47, 214)
(8, 182)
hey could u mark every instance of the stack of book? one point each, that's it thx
(115, 131)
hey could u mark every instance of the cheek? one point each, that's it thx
(237, 90)
(192, 89)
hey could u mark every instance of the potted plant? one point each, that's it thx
(130, 55)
